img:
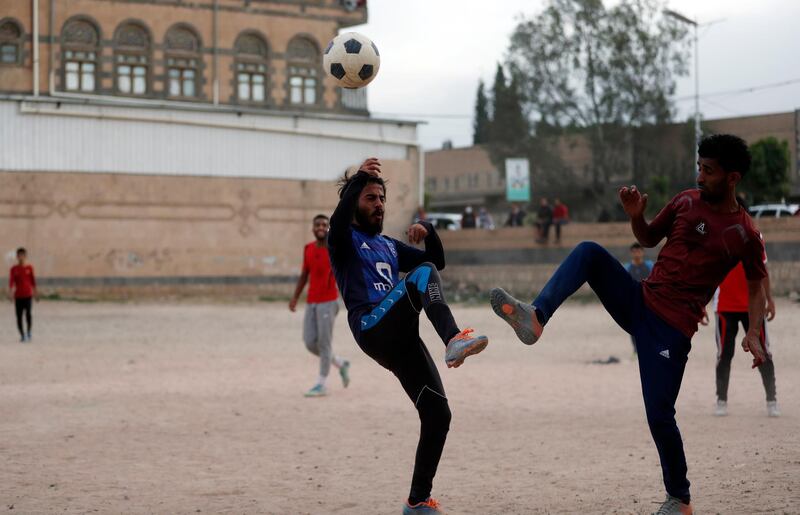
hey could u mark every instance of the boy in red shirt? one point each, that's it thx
(731, 306)
(22, 288)
(322, 306)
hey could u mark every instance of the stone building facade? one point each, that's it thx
(176, 145)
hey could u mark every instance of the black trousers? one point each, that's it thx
(392, 339)
(727, 328)
(23, 306)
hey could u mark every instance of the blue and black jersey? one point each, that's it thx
(367, 266)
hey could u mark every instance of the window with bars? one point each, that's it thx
(182, 77)
(80, 46)
(10, 42)
(183, 62)
(251, 68)
(131, 59)
(79, 71)
(304, 66)
(131, 73)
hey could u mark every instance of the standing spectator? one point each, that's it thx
(419, 215)
(544, 219)
(322, 305)
(485, 220)
(515, 216)
(468, 218)
(22, 288)
(640, 269)
(560, 217)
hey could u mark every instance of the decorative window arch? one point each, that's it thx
(183, 57)
(80, 47)
(132, 50)
(252, 64)
(11, 43)
(303, 60)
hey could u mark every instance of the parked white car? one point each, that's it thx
(774, 210)
(444, 221)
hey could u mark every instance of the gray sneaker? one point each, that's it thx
(674, 506)
(721, 409)
(519, 315)
(344, 373)
(772, 409)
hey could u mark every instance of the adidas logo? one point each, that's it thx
(664, 353)
(701, 228)
(365, 246)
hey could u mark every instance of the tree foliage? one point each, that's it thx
(584, 67)
(768, 178)
(480, 126)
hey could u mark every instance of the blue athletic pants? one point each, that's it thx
(662, 349)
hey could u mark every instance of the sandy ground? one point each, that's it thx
(198, 408)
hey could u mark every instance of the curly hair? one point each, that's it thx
(730, 151)
(352, 174)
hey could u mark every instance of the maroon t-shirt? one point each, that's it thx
(702, 247)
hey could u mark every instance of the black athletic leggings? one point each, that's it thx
(23, 305)
(393, 341)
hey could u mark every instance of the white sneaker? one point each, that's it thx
(722, 409)
(772, 409)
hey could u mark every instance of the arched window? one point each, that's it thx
(304, 66)
(80, 44)
(10, 42)
(251, 68)
(183, 62)
(132, 59)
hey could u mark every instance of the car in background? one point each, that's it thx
(774, 210)
(444, 221)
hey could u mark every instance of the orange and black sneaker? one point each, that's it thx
(429, 507)
(519, 315)
(462, 345)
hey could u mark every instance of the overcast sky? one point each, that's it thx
(434, 52)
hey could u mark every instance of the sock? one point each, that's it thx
(338, 361)
(321, 380)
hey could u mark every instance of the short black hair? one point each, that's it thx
(636, 245)
(320, 217)
(349, 177)
(730, 151)
(22, 250)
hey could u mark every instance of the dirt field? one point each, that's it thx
(131, 408)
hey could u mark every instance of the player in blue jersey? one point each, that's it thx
(383, 311)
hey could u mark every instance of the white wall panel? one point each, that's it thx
(41, 136)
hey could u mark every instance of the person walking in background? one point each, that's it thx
(515, 217)
(22, 289)
(322, 306)
(731, 308)
(544, 219)
(485, 220)
(468, 218)
(560, 217)
(640, 269)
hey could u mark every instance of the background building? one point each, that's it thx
(457, 177)
(167, 143)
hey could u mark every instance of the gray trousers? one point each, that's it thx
(318, 332)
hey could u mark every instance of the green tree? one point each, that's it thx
(768, 178)
(509, 131)
(480, 126)
(585, 67)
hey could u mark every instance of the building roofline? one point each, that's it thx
(104, 100)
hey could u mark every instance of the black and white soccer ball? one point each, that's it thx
(352, 59)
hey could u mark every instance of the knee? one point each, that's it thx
(434, 411)
(588, 247)
(311, 345)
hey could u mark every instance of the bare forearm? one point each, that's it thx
(767, 289)
(301, 283)
(755, 306)
(641, 231)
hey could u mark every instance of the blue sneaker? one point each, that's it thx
(344, 372)
(462, 345)
(317, 391)
(429, 507)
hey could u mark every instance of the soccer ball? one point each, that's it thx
(352, 59)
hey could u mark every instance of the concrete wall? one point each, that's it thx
(136, 234)
(480, 260)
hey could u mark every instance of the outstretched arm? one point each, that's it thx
(634, 204)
